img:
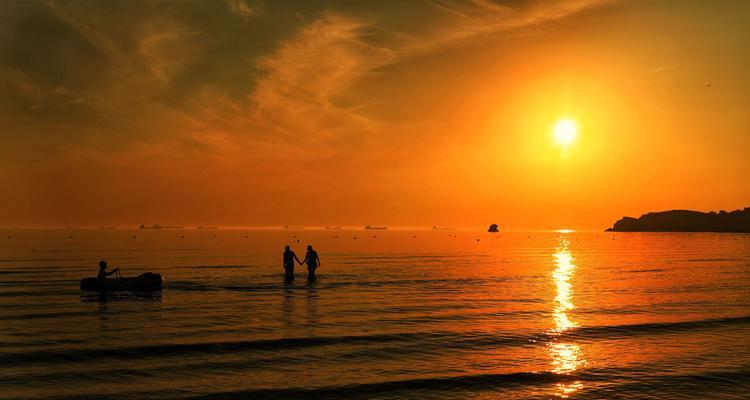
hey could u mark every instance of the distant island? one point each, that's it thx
(686, 221)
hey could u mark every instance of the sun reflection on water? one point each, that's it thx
(566, 357)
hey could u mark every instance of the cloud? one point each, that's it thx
(144, 71)
(236, 94)
(305, 92)
(240, 7)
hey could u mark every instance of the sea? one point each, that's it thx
(394, 314)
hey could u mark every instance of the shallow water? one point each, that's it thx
(394, 314)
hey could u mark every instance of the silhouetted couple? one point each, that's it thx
(311, 259)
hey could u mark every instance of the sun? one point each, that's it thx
(565, 132)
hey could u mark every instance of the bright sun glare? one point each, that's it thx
(565, 132)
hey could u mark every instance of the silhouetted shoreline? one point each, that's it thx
(737, 221)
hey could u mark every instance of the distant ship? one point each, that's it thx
(376, 227)
(333, 227)
(157, 226)
(206, 227)
(441, 228)
(293, 227)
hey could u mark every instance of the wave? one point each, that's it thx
(30, 316)
(418, 341)
(644, 270)
(614, 331)
(455, 384)
(36, 292)
(711, 382)
(708, 384)
(453, 284)
(476, 382)
(205, 347)
(604, 382)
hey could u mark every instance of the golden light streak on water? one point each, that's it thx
(566, 357)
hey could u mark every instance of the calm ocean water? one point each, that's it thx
(394, 315)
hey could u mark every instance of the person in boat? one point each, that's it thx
(289, 258)
(313, 262)
(103, 274)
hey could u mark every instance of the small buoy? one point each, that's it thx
(477, 240)
(183, 236)
(355, 238)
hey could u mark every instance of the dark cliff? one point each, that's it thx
(686, 221)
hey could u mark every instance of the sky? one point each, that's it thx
(413, 114)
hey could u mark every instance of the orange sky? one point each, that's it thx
(243, 113)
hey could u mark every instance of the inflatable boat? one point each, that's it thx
(144, 282)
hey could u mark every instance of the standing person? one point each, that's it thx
(313, 262)
(289, 258)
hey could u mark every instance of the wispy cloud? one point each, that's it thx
(306, 90)
(240, 7)
(154, 68)
(236, 96)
